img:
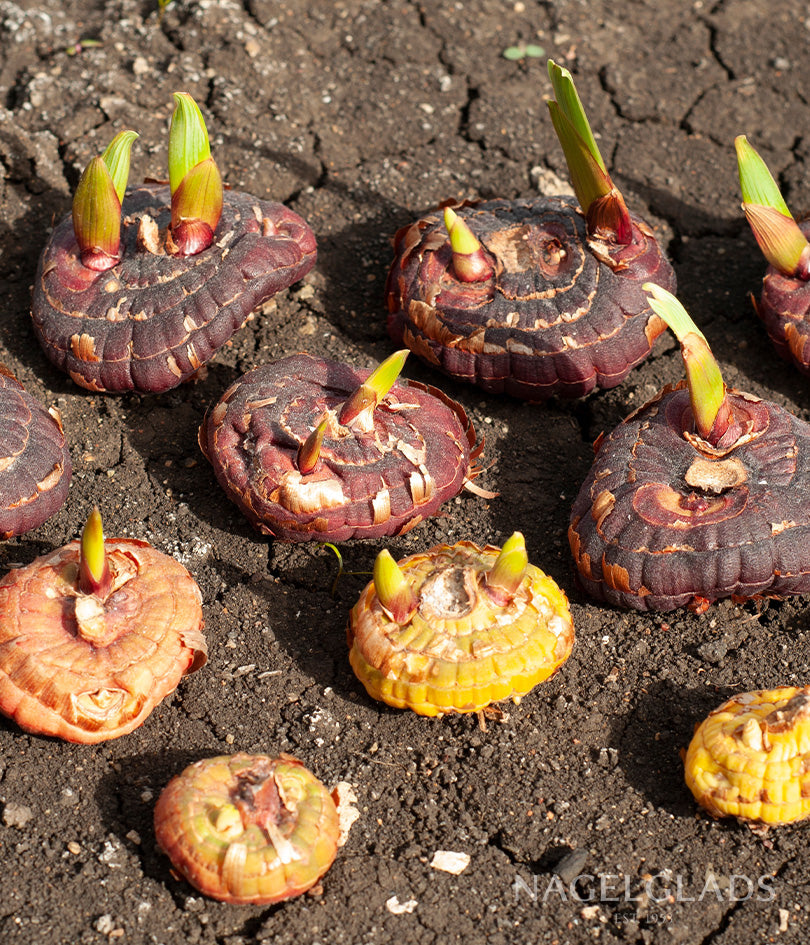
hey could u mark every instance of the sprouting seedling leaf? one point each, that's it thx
(394, 591)
(521, 51)
(197, 208)
(707, 391)
(779, 236)
(756, 181)
(77, 48)
(188, 139)
(117, 157)
(470, 263)
(97, 217)
(570, 105)
(310, 450)
(196, 184)
(94, 569)
(339, 556)
(97, 204)
(602, 203)
(509, 569)
(374, 388)
(781, 240)
(341, 571)
(514, 53)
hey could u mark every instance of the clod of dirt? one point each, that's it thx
(653, 529)
(749, 759)
(248, 828)
(379, 475)
(87, 667)
(17, 815)
(35, 463)
(155, 318)
(561, 313)
(459, 644)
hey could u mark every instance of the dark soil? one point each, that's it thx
(361, 115)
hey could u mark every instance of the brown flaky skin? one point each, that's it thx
(366, 484)
(87, 669)
(152, 320)
(784, 308)
(661, 521)
(35, 463)
(561, 314)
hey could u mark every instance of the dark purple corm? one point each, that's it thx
(34, 460)
(686, 506)
(310, 448)
(155, 318)
(139, 288)
(532, 297)
(559, 313)
(784, 305)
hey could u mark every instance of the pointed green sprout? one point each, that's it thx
(310, 450)
(756, 182)
(507, 574)
(97, 217)
(94, 569)
(707, 391)
(392, 588)
(194, 178)
(117, 157)
(374, 388)
(601, 202)
(781, 240)
(470, 263)
(569, 104)
(97, 204)
(188, 139)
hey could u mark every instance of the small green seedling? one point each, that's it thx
(523, 51)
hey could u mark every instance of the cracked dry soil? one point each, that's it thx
(361, 115)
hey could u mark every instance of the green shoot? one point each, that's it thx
(779, 236)
(707, 391)
(600, 200)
